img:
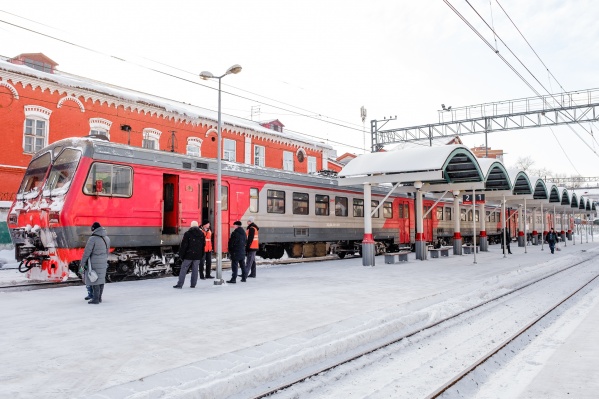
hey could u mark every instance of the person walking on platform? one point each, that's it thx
(191, 251)
(551, 239)
(237, 243)
(207, 258)
(96, 251)
(507, 239)
(251, 247)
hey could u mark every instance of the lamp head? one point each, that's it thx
(417, 185)
(205, 75)
(235, 69)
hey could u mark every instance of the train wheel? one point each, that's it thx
(341, 255)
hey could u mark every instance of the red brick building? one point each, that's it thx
(38, 106)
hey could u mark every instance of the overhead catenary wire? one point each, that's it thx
(320, 116)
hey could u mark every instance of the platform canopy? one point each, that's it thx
(496, 175)
(443, 165)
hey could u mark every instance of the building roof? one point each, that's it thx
(37, 56)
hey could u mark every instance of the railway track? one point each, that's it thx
(423, 363)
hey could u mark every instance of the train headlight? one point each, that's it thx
(53, 217)
(13, 218)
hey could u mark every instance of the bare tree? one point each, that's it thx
(524, 163)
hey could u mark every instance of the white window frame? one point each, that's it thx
(288, 161)
(312, 164)
(99, 126)
(151, 136)
(36, 113)
(260, 155)
(229, 150)
(194, 146)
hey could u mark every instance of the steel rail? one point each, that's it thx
(329, 367)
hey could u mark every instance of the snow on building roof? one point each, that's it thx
(144, 99)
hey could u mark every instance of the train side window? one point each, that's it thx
(358, 208)
(447, 213)
(374, 204)
(463, 215)
(488, 216)
(401, 211)
(476, 217)
(321, 205)
(275, 201)
(224, 196)
(340, 206)
(300, 204)
(110, 180)
(253, 200)
(439, 213)
(469, 216)
(406, 211)
(388, 210)
(428, 214)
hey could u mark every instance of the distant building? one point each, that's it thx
(487, 152)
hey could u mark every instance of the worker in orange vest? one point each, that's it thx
(207, 259)
(251, 247)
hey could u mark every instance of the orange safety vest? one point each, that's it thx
(208, 246)
(254, 243)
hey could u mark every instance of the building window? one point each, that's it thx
(36, 128)
(229, 150)
(151, 139)
(358, 207)
(39, 65)
(321, 205)
(288, 161)
(99, 127)
(275, 201)
(311, 164)
(448, 214)
(300, 204)
(259, 155)
(388, 210)
(374, 204)
(253, 200)
(194, 146)
(340, 206)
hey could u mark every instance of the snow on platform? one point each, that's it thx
(148, 340)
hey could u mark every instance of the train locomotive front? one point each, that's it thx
(62, 193)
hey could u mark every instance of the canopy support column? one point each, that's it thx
(420, 241)
(368, 241)
(484, 243)
(521, 241)
(457, 236)
(535, 233)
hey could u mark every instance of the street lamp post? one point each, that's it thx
(205, 75)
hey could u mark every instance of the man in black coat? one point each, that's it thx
(237, 243)
(552, 239)
(508, 239)
(191, 251)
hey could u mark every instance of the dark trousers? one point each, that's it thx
(250, 263)
(207, 260)
(552, 246)
(235, 265)
(194, 272)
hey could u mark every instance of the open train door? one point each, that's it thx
(208, 201)
(170, 204)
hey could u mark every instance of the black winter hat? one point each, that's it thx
(205, 222)
(95, 226)
(237, 223)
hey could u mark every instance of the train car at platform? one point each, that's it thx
(146, 200)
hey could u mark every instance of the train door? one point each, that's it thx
(208, 200)
(170, 204)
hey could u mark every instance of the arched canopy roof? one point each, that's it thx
(581, 203)
(443, 164)
(540, 191)
(566, 197)
(496, 176)
(588, 205)
(555, 195)
(520, 182)
(574, 202)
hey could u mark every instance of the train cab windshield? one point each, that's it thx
(34, 177)
(62, 172)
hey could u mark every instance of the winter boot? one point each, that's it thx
(101, 291)
(96, 298)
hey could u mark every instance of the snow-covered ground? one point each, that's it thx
(148, 340)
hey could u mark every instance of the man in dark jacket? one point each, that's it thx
(191, 251)
(251, 247)
(237, 243)
(552, 239)
(96, 251)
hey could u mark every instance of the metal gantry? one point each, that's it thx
(524, 113)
